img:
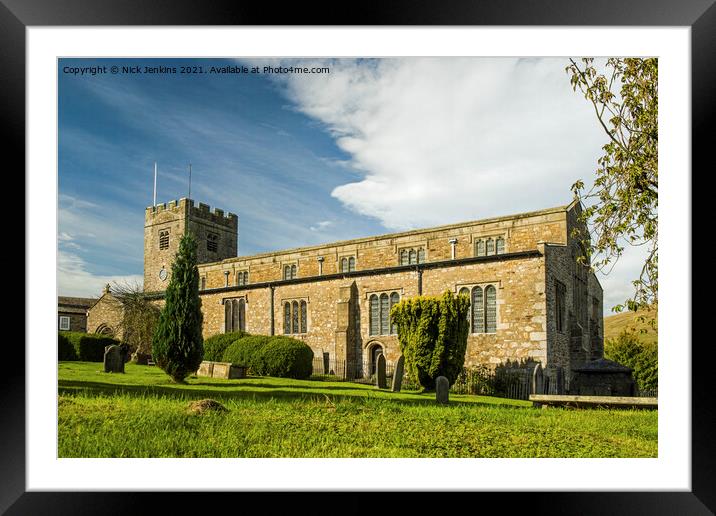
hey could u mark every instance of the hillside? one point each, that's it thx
(617, 323)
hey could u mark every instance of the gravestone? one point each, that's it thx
(537, 386)
(380, 379)
(113, 359)
(560, 381)
(442, 389)
(326, 363)
(398, 375)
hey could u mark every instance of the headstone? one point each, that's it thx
(537, 386)
(326, 364)
(560, 381)
(380, 379)
(442, 389)
(113, 359)
(398, 375)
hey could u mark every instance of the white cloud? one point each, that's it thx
(74, 279)
(445, 140)
(321, 225)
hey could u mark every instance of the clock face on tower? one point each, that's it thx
(163, 274)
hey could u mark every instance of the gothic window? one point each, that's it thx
(404, 257)
(287, 272)
(394, 299)
(344, 264)
(490, 245)
(293, 271)
(490, 309)
(234, 315)
(500, 245)
(464, 291)
(212, 242)
(295, 317)
(351, 264)
(379, 312)
(480, 248)
(164, 239)
(304, 317)
(421, 255)
(478, 311)
(374, 315)
(287, 318)
(242, 278)
(412, 257)
(203, 283)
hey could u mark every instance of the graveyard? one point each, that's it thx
(142, 413)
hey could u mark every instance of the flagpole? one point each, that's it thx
(155, 184)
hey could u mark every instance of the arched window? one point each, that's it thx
(394, 299)
(246, 277)
(421, 255)
(500, 245)
(203, 283)
(374, 315)
(287, 318)
(412, 256)
(236, 319)
(294, 317)
(490, 244)
(464, 291)
(304, 317)
(287, 272)
(480, 248)
(344, 265)
(293, 271)
(384, 314)
(478, 311)
(351, 264)
(490, 309)
(404, 257)
(228, 315)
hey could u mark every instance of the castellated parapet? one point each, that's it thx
(164, 224)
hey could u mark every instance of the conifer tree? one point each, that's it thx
(178, 346)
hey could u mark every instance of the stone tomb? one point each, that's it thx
(225, 370)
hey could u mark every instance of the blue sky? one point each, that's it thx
(372, 147)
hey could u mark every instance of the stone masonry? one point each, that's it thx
(538, 258)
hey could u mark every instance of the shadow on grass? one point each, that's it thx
(96, 389)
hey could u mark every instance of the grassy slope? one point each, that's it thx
(617, 323)
(141, 414)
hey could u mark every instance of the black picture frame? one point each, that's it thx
(699, 15)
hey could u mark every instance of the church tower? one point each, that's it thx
(216, 235)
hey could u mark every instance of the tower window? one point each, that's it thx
(164, 239)
(212, 242)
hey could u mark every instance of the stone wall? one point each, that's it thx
(107, 311)
(78, 322)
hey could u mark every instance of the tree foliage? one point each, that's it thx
(177, 346)
(621, 206)
(139, 318)
(432, 333)
(641, 357)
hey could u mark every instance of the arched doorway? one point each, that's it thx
(374, 351)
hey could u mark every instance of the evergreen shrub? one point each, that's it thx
(432, 333)
(88, 347)
(627, 349)
(216, 345)
(245, 351)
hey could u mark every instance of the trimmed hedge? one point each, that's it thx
(246, 352)
(88, 347)
(284, 357)
(216, 345)
(278, 356)
(65, 350)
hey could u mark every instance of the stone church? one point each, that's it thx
(531, 301)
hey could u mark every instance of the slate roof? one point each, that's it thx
(77, 305)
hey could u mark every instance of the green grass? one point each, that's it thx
(617, 323)
(142, 414)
